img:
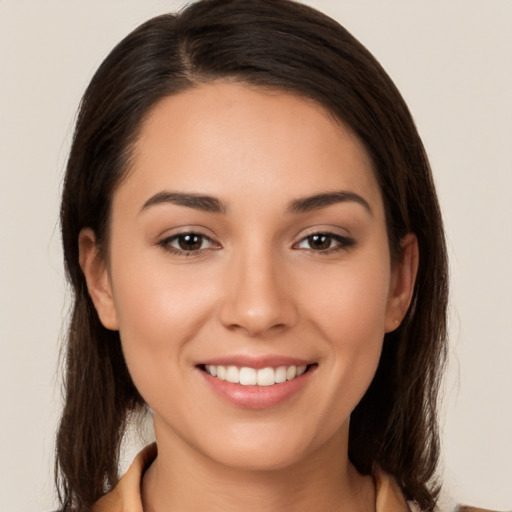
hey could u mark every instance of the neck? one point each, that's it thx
(183, 479)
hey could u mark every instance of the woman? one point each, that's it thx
(255, 245)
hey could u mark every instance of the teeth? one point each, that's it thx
(248, 376)
(232, 374)
(252, 377)
(291, 371)
(266, 377)
(221, 372)
(280, 374)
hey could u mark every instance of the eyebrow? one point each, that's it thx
(196, 201)
(213, 205)
(319, 201)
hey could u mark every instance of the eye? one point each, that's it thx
(188, 243)
(324, 242)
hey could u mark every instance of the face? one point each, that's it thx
(249, 274)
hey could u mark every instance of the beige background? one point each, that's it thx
(451, 59)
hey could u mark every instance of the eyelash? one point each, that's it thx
(342, 243)
(166, 244)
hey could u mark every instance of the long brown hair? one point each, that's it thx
(288, 46)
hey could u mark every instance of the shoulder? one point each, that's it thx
(466, 508)
(126, 497)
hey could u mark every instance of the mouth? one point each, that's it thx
(261, 382)
(262, 377)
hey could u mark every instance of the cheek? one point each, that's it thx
(158, 312)
(350, 302)
(348, 308)
(150, 293)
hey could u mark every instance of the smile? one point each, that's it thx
(247, 376)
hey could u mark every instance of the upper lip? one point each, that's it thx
(257, 362)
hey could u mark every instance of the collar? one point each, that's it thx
(126, 497)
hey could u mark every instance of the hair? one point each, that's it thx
(293, 48)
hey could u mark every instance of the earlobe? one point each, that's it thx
(97, 278)
(402, 282)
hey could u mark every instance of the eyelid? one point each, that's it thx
(327, 228)
(165, 243)
(344, 242)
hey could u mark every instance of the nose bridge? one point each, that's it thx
(256, 298)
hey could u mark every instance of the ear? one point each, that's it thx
(97, 278)
(403, 278)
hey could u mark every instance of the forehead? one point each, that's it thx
(230, 138)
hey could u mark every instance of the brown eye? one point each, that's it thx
(190, 242)
(320, 241)
(186, 243)
(325, 243)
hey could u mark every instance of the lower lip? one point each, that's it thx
(257, 397)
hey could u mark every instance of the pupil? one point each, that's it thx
(320, 241)
(190, 242)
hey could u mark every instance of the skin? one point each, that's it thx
(257, 286)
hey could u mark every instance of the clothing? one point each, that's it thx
(126, 497)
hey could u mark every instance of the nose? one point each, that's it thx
(258, 298)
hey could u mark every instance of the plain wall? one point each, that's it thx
(451, 59)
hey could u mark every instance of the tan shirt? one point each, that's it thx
(125, 497)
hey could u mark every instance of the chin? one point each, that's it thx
(268, 447)
(257, 458)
